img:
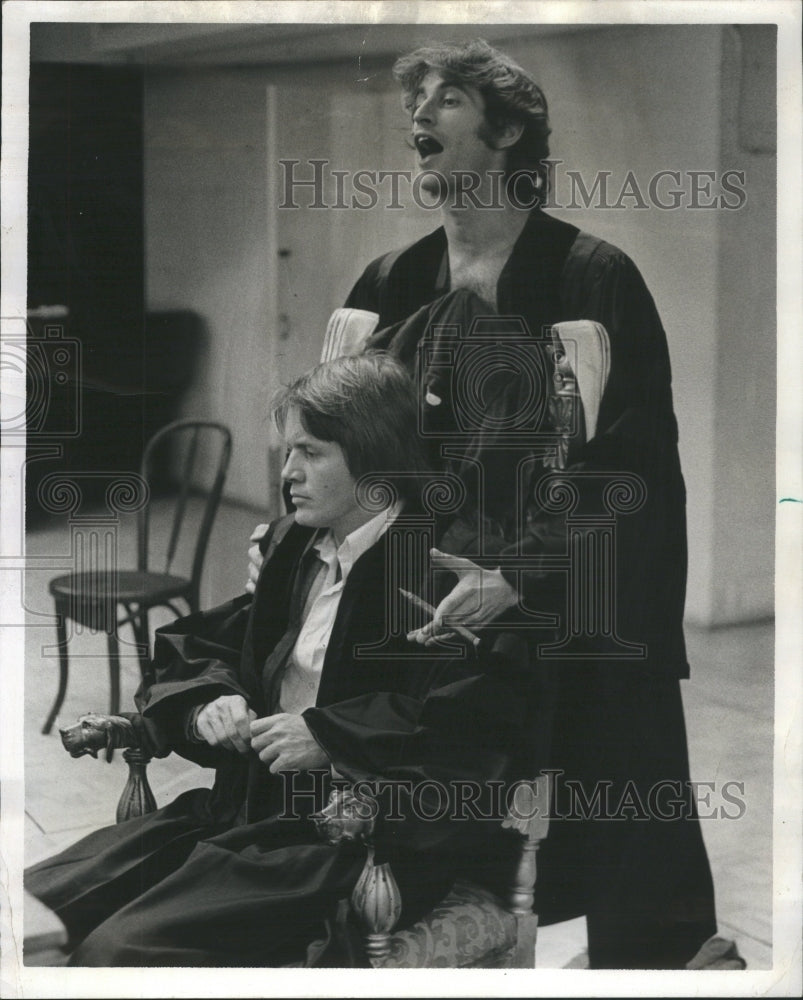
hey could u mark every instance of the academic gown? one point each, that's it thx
(227, 876)
(644, 882)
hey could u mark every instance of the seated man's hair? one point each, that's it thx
(509, 92)
(368, 405)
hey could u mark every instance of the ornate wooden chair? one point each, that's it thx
(472, 927)
(91, 594)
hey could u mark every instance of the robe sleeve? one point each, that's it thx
(637, 434)
(637, 425)
(196, 659)
(422, 757)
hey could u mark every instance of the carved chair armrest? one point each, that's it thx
(95, 732)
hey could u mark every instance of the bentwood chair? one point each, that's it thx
(185, 459)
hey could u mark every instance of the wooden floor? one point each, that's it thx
(729, 706)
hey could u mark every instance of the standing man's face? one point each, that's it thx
(450, 132)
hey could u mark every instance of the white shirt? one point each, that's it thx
(303, 672)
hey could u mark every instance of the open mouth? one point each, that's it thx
(426, 145)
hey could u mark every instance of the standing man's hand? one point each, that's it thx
(284, 743)
(255, 557)
(226, 722)
(480, 596)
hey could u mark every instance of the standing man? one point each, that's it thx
(480, 131)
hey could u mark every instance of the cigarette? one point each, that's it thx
(426, 606)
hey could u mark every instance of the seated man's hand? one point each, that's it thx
(479, 596)
(255, 557)
(284, 743)
(226, 722)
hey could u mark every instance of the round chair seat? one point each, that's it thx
(132, 586)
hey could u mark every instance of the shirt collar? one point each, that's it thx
(358, 542)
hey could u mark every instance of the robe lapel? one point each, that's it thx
(276, 621)
(413, 278)
(363, 592)
(529, 284)
(366, 612)
(304, 576)
(272, 610)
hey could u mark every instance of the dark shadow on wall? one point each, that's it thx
(102, 375)
(82, 423)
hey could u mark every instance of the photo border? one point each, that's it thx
(785, 977)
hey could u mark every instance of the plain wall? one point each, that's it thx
(206, 219)
(745, 388)
(212, 236)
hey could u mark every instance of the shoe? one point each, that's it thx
(717, 953)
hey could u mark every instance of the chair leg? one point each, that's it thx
(114, 679)
(114, 673)
(526, 934)
(64, 666)
(139, 624)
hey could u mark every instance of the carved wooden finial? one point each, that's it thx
(137, 798)
(95, 732)
(377, 902)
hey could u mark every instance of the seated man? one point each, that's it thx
(287, 689)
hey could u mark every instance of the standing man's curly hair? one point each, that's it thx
(509, 92)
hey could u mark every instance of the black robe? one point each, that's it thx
(557, 273)
(643, 882)
(237, 875)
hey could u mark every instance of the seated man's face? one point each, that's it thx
(321, 486)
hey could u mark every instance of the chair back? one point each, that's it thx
(346, 332)
(182, 461)
(581, 355)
